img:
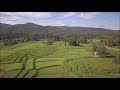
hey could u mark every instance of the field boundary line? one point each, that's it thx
(48, 67)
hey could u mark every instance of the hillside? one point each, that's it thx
(34, 28)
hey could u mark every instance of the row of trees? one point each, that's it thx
(74, 43)
(48, 42)
(10, 41)
(72, 39)
(77, 42)
(110, 42)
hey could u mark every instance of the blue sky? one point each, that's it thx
(108, 20)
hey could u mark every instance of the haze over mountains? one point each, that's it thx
(34, 28)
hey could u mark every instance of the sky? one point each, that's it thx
(108, 20)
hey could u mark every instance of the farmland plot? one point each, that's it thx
(11, 74)
(40, 65)
(37, 60)
(14, 66)
(30, 64)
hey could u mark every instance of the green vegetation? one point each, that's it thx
(47, 64)
(117, 59)
(34, 51)
(23, 74)
(100, 49)
(48, 42)
(31, 74)
(13, 66)
(38, 60)
(51, 70)
(29, 64)
(73, 43)
(11, 74)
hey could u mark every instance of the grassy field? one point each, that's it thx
(37, 60)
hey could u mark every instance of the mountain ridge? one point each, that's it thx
(35, 28)
(29, 23)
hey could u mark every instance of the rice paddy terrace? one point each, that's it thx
(37, 60)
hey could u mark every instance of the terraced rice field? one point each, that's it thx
(37, 60)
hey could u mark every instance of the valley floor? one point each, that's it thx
(37, 60)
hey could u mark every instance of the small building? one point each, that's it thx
(96, 54)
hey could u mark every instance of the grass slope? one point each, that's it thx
(37, 60)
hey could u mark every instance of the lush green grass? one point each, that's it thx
(40, 65)
(51, 76)
(51, 70)
(47, 59)
(37, 60)
(11, 74)
(29, 64)
(14, 66)
(113, 51)
(23, 74)
(31, 74)
(2, 74)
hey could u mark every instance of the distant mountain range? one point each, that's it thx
(34, 28)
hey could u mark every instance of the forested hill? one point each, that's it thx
(34, 28)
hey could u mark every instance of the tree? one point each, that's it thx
(100, 49)
(27, 38)
(94, 48)
(48, 42)
(112, 42)
(73, 42)
(102, 42)
(56, 38)
(35, 37)
(10, 41)
(83, 40)
(117, 41)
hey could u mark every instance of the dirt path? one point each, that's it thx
(86, 67)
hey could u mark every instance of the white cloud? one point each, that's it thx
(11, 20)
(22, 17)
(35, 14)
(29, 14)
(88, 15)
(69, 14)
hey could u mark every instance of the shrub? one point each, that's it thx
(100, 49)
(73, 43)
(10, 42)
(94, 48)
(81, 45)
(83, 40)
(49, 42)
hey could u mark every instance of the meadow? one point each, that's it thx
(38, 60)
